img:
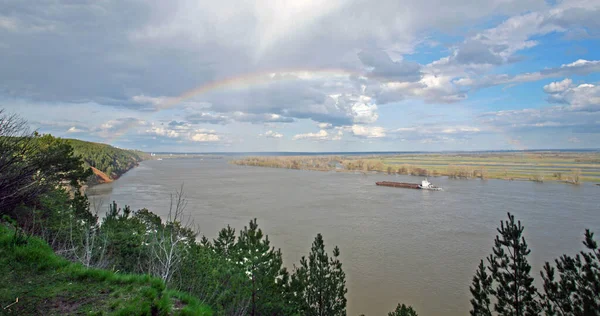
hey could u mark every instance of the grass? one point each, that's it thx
(35, 281)
(538, 166)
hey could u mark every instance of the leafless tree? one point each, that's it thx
(17, 170)
(168, 242)
(87, 244)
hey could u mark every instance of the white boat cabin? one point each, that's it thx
(425, 184)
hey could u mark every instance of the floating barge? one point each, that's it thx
(425, 185)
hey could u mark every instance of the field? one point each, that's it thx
(568, 167)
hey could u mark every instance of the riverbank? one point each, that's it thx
(567, 167)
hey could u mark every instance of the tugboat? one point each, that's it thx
(425, 185)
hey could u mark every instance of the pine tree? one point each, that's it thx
(225, 242)
(514, 291)
(577, 292)
(263, 266)
(403, 310)
(320, 282)
(481, 291)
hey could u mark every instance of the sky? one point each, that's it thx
(311, 75)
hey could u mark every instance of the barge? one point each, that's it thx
(425, 185)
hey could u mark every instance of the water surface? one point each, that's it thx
(397, 245)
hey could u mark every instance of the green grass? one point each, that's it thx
(46, 284)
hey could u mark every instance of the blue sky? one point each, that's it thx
(342, 75)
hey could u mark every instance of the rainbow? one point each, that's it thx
(247, 80)
(253, 79)
(241, 82)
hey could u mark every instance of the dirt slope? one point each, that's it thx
(103, 177)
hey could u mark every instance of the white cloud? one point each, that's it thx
(325, 125)
(364, 110)
(584, 96)
(160, 131)
(579, 67)
(204, 137)
(74, 129)
(431, 88)
(460, 129)
(184, 131)
(559, 86)
(368, 131)
(271, 134)
(439, 129)
(321, 135)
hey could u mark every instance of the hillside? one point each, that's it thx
(35, 281)
(111, 161)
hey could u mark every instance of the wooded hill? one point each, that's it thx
(112, 161)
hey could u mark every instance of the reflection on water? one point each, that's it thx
(398, 245)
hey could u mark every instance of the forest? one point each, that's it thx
(235, 273)
(112, 161)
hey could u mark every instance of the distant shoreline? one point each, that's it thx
(565, 167)
(366, 153)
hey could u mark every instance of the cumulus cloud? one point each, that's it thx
(183, 132)
(74, 129)
(164, 50)
(431, 88)
(272, 134)
(335, 63)
(471, 59)
(325, 125)
(578, 67)
(383, 67)
(321, 135)
(210, 118)
(476, 52)
(160, 131)
(584, 97)
(204, 136)
(559, 86)
(367, 131)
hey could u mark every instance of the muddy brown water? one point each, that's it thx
(398, 245)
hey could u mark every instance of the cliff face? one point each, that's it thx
(101, 176)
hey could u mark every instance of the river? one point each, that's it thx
(415, 247)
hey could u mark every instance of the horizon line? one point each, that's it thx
(381, 152)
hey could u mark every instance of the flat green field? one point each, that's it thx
(569, 167)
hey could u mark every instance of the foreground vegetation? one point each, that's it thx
(35, 281)
(504, 285)
(566, 167)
